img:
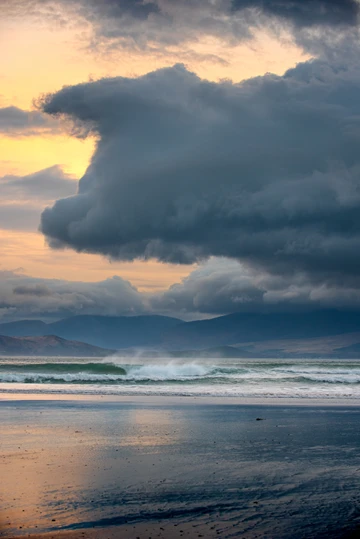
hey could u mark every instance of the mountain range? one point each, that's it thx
(113, 332)
(49, 345)
(327, 331)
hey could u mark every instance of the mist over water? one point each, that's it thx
(163, 376)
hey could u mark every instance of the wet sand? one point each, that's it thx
(104, 468)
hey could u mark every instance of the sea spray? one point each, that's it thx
(168, 371)
(167, 376)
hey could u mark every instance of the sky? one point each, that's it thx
(182, 157)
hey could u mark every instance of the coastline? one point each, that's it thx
(160, 400)
(106, 467)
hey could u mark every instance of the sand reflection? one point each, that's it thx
(39, 462)
(152, 428)
(57, 458)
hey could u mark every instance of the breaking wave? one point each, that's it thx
(338, 379)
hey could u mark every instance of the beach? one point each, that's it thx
(87, 466)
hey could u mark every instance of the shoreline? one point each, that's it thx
(92, 467)
(159, 400)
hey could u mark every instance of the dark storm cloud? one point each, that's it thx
(18, 122)
(161, 26)
(306, 13)
(219, 15)
(267, 171)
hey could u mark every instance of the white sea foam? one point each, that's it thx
(158, 376)
(275, 391)
(168, 371)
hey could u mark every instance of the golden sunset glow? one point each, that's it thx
(26, 155)
(41, 58)
(49, 264)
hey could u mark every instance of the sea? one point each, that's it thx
(116, 375)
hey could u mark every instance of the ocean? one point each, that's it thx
(262, 378)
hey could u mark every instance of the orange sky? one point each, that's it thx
(36, 59)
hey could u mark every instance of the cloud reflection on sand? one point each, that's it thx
(39, 464)
(91, 464)
(155, 427)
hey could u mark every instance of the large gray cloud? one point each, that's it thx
(172, 27)
(217, 287)
(165, 22)
(24, 197)
(221, 286)
(300, 12)
(306, 13)
(267, 171)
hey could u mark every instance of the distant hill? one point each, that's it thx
(240, 328)
(306, 334)
(49, 345)
(343, 345)
(326, 348)
(113, 332)
(351, 352)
